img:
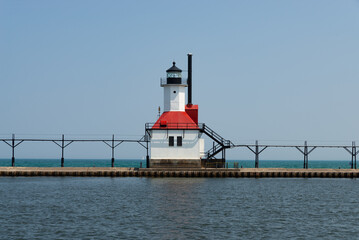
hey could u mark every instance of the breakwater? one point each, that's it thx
(180, 172)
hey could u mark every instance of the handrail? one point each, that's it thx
(163, 81)
(213, 151)
(189, 126)
(226, 143)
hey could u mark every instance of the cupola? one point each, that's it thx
(174, 75)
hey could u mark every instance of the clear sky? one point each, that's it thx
(277, 71)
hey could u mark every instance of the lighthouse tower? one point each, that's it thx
(174, 90)
(175, 138)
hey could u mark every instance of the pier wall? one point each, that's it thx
(185, 172)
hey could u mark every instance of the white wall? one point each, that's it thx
(201, 147)
(174, 98)
(190, 149)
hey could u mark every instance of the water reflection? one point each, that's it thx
(177, 202)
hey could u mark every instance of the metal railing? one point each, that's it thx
(63, 142)
(215, 136)
(163, 81)
(180, 126)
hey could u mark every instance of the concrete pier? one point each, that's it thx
(178, 172)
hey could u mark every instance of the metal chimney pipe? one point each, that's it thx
(189, 80)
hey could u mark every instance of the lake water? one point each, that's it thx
(178, 208)
(137, 163)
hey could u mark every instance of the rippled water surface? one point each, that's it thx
(178, 208)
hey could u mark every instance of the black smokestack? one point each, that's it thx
(189, 80)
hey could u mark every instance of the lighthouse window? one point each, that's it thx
(179, 141)
(174, 91)
(171, 141)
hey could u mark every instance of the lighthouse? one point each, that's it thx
(175, 138)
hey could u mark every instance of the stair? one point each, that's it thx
(220, 144)
(211, 153)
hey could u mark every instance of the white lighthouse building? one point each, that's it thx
(175, 138)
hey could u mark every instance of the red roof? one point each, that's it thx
(175, 120)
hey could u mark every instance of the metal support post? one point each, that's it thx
(112, 146)
(354, 154)
(62, 146)
(305, 153)
(256, 164)
(145, 138)
(214, 148)
(256, 152)
(13, 151)
(13, 146)
(113, 151)
(62, 150)
(147, 157)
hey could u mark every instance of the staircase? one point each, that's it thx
(220, 145)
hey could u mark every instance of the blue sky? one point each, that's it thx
(276, 71)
